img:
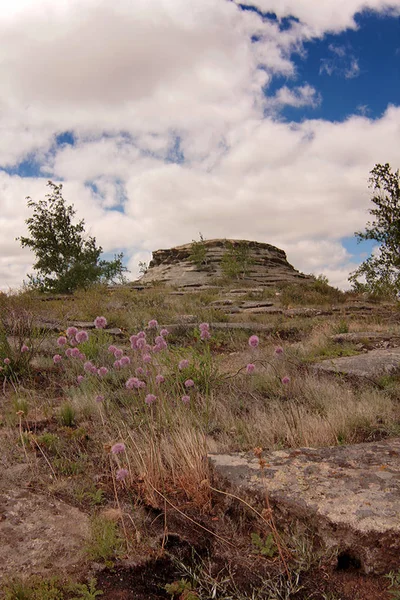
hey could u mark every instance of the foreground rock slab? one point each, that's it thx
(370, 365)
(39, 534)
(348, 495)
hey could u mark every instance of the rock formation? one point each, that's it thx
(266, 265)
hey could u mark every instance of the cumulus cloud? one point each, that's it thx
(174, 129)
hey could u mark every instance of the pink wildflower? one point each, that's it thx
(56, 359)
(71, 332)
(93, 370)
(121, 474)
(75, 352)
(141, 343)
(88, 366)
(112, 348)
(68, 352)
(205, 334)
(204, 326)
(102, 371)
(139, 371)
(24, 348)
(117, 364)
(142, 385)
(253, 341)
(278, 350)
(189, 383)
(160, 379)
(118, 353)
(118, 448)
(82, 336)
(133, 340)
(133, 382)
(164, 332)
(99, 399)
(150, 398)
(183, 364)
(186, 399)
(100, 322)
(62, 340)
(7, 361)
(152, 324)
(147, 358)
(250, 368)
(124, 361)
(141, 334)
(79, 379)
(286, 380)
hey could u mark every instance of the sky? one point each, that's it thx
(258, 119)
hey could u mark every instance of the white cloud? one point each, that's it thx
(140, 87)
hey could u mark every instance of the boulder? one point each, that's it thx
(370, 365)
(348, 495)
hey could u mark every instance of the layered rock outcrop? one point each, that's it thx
(266, 264)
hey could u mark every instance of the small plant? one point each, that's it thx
(266, 546)
(236, 261)
(106, 542)
(33, 589)
(198, 253)
(67, 415)
(394, 586)
(182, 590)
(86, 591)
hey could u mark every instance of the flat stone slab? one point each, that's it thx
(39, 534)
(370, 365)
(367, 338)
(349, 495)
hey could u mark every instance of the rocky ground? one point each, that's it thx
(301, 496)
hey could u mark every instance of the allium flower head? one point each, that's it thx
(278, 350)
(7, 361)
(160, 379)
(186, 399)
(68, 352)
(82, 336)
(139, 371)
(141, 334)
(124, 361)
(205, 334)
(250, 368)
(118, 448)
(71, 332)
(99, 399)
(183, 364)
(204, 326)
(189, 383)
(286, 380)
(112, 348)
(141, 343)
(164, 332)
(75, 352)
(79, 379)
(56, 359)
(62, 340)
(118, 353)
(133, 340)
(150, 398)
(121, 474)
(152, 324)
(142, 384)
(253, 341)
(100, 322)
(88, 366)
(117, 364)
(24, 348)
(133, 382)
(102, 371)
(147, 358)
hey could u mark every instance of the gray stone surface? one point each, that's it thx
(350, 495)
(38, 534)
(368, 339)
(370, 365)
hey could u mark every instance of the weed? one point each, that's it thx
(67, 415)
(266, 546)
(105, 543)
(394, 586)
(86, 591)
(33, 589)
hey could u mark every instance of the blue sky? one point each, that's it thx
(255, 119)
